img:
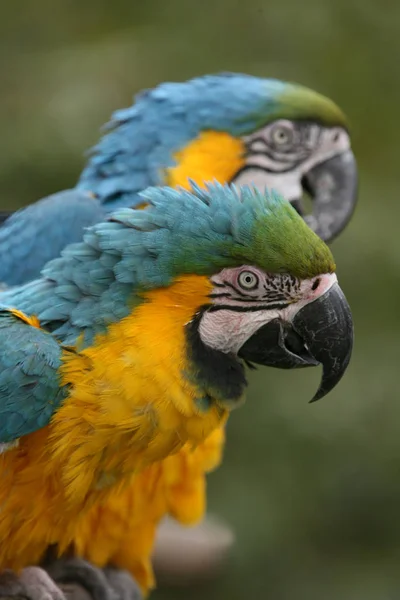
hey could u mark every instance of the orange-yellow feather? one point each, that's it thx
(119, 530)
(109, 450)
(213, 155)
(119, 524)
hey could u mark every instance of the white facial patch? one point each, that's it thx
(227, 331)
(280, 154)
(237, 313)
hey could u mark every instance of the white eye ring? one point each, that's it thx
(282, 135)
(248, 280)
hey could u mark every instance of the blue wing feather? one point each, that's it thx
(140, 144)
(30, 389)
(34, 235)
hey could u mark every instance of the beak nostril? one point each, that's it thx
(315, 284)
(336, 136)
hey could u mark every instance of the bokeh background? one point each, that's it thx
(312, 491)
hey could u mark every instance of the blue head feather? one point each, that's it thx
(139, 148)
(163, 120)
(99, 281)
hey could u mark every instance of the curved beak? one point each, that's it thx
(321, 333)
(333, 186)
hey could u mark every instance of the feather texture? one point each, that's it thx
(34, 235)
(127, 430)
(30, 386)
(171, 133)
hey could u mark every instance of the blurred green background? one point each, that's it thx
(312, 491)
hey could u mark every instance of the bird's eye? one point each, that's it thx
(248, 280)
(282, 135)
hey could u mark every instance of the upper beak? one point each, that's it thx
(333, 186)
(320, 333)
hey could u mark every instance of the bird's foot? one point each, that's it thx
(32, 583)
(123, 584)
(99, 584)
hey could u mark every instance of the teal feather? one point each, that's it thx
(140, 145)
(30, 388)
(99, 280)
(84, 291)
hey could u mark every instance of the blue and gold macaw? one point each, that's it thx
(225, 127)
(136, 355)
(228, 128)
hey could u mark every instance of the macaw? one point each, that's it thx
(132, 346)
(228, 128)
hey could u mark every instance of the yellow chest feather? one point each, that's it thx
(129, 407)
(130, 403)
(212, 156)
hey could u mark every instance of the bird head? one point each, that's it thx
(266, 291)
(231, 128)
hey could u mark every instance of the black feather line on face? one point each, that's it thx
(221, 295)
(220, 375)
(271, 154)
(275, 296)
(263, 169)
(286, 159)
(258, 307)
(240, 293)
(275, 292)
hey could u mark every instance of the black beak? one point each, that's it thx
(333, 187)
(321, 333)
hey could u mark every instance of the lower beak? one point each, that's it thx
(320, 333)
(333, 187)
